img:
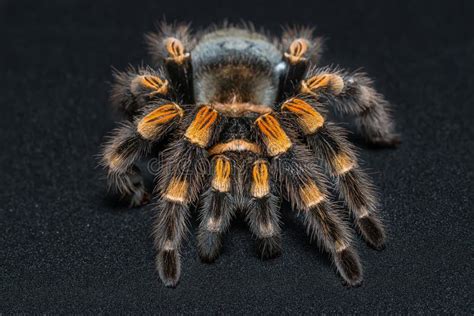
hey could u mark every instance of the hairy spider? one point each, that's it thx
(245, 117)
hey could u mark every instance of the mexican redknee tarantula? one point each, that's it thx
(242, 119)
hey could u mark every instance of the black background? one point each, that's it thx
(66, 248)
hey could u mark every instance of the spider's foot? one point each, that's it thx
(169, 267)
(269, 247)
(139, 198)
(373, 232)
(348, 264)
(130, 188)
(138, 195)
(391, 141)
(209, 246)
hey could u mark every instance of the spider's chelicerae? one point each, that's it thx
(241, 121)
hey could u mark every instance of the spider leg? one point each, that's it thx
(262, 212)
(301, 49)
(305, 188)
(170, 228)
(306, 191)
(134, 89)
(354, 94)
(217, 209)
(181, 179)
(132, 140)
(329, 143)
(171, 46)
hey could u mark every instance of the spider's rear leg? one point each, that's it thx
(329, 143)
(181, 179)
(305, 189)
(133, 89)
(133, 140)
(262, 213)
(217, 209)
(353, 94)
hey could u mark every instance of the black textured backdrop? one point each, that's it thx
(65, 248)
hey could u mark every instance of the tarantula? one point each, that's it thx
(241, 120)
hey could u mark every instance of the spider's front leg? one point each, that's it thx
(305, 188)
(329, 143)
(353, 94)
(262, 213)
(184, 170)
(134, 89)
(171, 46)
(301, 50)
(217, 209)
(132, 140)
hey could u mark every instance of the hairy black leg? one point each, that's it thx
(124, 147)
(306, 191)
(132, 140)
(134, 89)
(305, 188)
(328, 142)
(262, 212)
(353, 184)
(179, 67)
(215, 219)
(315, 44)
(217, 209)
(169, 231)
(171, 46)
(301, 50)
(354, 94)
(184, 170)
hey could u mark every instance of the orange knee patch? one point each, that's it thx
(222, 171)
(296, 51)
(200, 130)
(274, 136)
(322, 81)
(310, 194)
(342, 163)
(176, 51)
(177, 190)
(154, 84)
(260, 179)
(308, 118)
(153, 123)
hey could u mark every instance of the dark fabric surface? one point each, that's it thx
(64, 247)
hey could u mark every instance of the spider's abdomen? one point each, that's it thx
(235, 65)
